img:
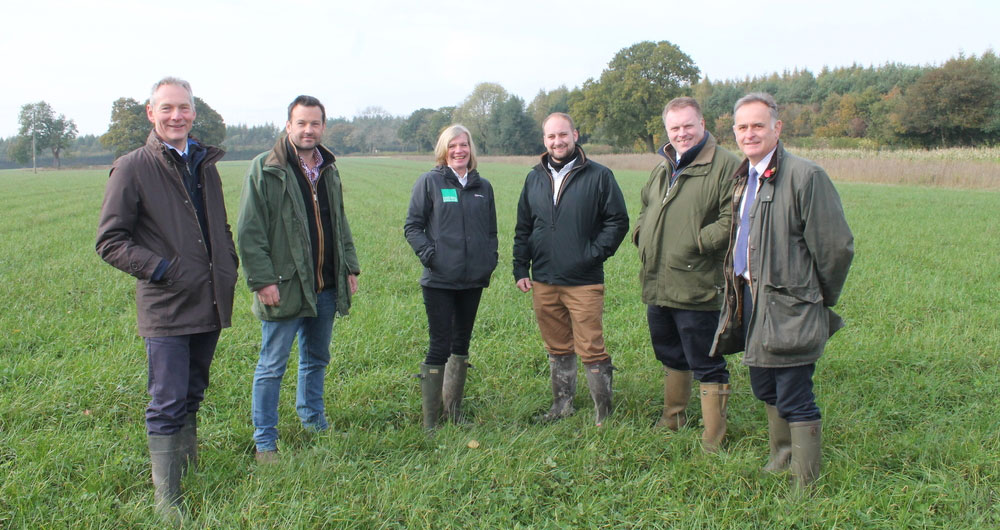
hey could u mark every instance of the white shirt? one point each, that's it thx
(558, 177)
(760, 167)
(461, 180)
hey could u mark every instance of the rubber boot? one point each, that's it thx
(779, 438)
(166, 454)
(454, 386)
(599, 378)
(189, 439)
(676, 394)
(563, 372)
(431, 378)
(714, 400)
(807, 443)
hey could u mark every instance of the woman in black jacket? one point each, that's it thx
(452, 227)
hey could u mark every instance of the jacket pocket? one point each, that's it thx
(794, 322)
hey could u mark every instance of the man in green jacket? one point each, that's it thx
(788, 259)
(299, 259)
(682, 234)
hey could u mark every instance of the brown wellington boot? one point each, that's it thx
(599, 379)
(807, 444)
(714, 400)
(779, 438)
(189, 440)
(431, 379)
(562, 369)
(676, 394)
(166, 455)
(454, 386)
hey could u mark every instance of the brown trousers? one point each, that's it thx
(570, 319)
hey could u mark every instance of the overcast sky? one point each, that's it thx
(249, 58)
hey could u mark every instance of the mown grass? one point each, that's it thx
(908, 389)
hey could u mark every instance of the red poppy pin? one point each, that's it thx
(768, 173)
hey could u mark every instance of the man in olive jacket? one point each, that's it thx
(787, 262)
(299, 259)
(571, 217)
(164, 221)
(682, 233)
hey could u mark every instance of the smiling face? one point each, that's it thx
(458, 153)
(685, 128)
(559, 138)
(305, 128)
(756, 130)
(172, 114)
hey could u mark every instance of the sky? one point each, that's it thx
(248, 59)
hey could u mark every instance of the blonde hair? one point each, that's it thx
(449, 134)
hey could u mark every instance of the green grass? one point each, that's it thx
(908, 390)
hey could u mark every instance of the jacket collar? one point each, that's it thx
(472, 177)
(743, 171)
(162, 152)
(582, 160)
(704, 156)
(279, 154)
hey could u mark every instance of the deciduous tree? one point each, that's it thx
(48, 131)
(627, 100)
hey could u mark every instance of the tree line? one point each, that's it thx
(891, 105)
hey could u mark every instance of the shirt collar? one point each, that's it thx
(764, 162)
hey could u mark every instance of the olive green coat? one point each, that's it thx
(800, 252)
(683, 230)
(274, 236)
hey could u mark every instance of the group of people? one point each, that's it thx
(735, 256)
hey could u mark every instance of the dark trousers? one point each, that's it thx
(451, 313)
(177, 378)
(682, 339)
(790, 389)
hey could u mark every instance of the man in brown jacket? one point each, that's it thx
(164, 221)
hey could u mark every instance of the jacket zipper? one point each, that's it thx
(320, 239)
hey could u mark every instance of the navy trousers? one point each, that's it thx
(177, 379)
(682, 339)
(790, 389)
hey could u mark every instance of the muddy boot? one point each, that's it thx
(779, 438)
(714, 400)
(166, 453)
(189, 441)
(807, 438)
(563, 372)
(431, 378)
(454, 386)
(599, 376)
(676, 394)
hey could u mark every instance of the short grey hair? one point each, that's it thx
(758, 97)
(175, 81)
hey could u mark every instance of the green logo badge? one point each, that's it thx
(448, 195)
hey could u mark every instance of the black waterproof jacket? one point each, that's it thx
(453, 230)
(566, 243)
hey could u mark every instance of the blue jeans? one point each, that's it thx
(314, 354)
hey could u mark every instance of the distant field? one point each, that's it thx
(908, 390)
(959, 168)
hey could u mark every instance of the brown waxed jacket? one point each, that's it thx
(147, 217)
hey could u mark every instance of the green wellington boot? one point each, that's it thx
(562, 369)
(779, 438)
(431, 379)
(166, 454)
(599, 379)
(454, 386)
(676, 394)
(189, 441)
(807, 444)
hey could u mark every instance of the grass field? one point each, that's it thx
(908, 390)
